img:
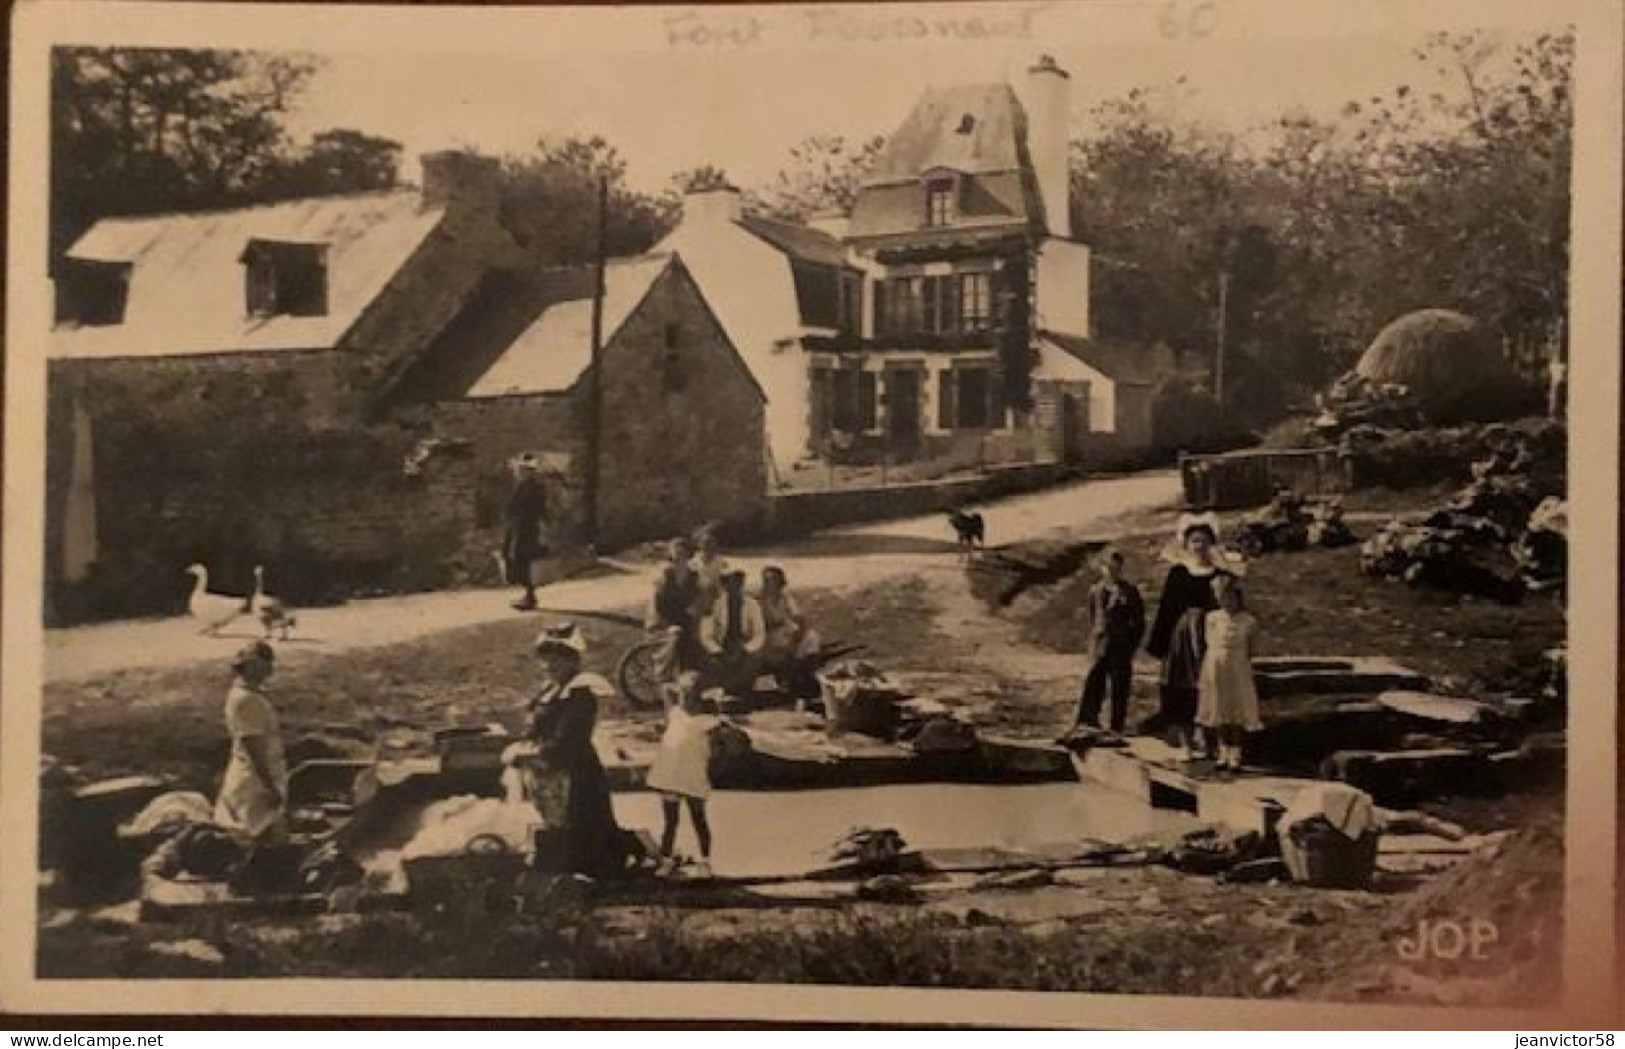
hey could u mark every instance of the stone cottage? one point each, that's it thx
(665, 434)
(329, 386)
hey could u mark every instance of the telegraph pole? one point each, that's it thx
(595, 424)
(1218, 357)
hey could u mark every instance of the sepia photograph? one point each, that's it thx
(1027, 497)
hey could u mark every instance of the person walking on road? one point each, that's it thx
(522, 541)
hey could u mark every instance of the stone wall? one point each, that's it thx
(802, 512)
(236, 460)
(497, 429)
(684, 428)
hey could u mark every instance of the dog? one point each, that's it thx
(970, 528)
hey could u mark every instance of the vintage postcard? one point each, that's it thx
(805, 513)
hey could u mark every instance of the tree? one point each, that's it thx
(550, 203)
(136, 131)
(823, 174)
(699, 180)
(1328, 229)
(1157, 198)
(342, 160)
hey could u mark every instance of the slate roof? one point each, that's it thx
(934, 134)
(1122, 362)
(799, 242)
(187, 289)
(977, 131)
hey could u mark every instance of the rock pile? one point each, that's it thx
(1355, 400)
(1500, 535)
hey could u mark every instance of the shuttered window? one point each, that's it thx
(950, 304)
(854, 401)
(969, 398)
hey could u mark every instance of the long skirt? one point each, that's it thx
(579, 833)
(1182, 669)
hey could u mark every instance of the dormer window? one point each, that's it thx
(940, 205)
(284, 278)
(92, 293)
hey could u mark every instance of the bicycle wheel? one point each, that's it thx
(638, 674)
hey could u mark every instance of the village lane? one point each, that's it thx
(838, 558)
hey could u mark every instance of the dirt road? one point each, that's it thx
(842, 557)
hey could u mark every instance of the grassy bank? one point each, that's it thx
(1318, 603)
(169, 722)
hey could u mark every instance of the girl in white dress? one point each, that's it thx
(1228, 706)
(681, 768)
(255, 786)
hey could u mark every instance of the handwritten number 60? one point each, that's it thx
(1193, 20)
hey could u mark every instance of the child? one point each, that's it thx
(1229, 699)
(1116, 623)
(680, 771)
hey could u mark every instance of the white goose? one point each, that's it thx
(270, 611)
(209, 608)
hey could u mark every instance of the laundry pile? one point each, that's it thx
(1329, 837)
(1291, 522)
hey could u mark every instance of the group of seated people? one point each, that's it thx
(717, 629)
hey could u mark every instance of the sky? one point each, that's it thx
(738, 87)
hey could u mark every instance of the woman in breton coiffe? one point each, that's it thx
(1178, 637)
(558, 767)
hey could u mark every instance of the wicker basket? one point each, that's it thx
(1317, 854)
(857, 705)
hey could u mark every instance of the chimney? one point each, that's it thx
(460, 180)
(1047, 104)
(712, 207)
(830, 223)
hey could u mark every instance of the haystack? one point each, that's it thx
(1449, 363)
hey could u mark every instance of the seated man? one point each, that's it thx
(674, 608)
(733, 636)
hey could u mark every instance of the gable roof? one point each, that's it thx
(797, 241)
(1121, 362)
(187, 289)
(552, 350)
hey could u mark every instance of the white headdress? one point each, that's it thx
(1188, 522)
(565, 636)
(1223, 559)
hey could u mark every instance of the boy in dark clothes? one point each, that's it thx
(1116, 624)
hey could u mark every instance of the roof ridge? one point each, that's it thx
(799, 227)
(264, 205)
(612, 261)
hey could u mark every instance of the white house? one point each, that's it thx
(949, 311)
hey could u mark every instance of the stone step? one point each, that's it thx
(1392, 777)
(1301, 731)
(1149, 772)
(1279, 676)
(1446, 710)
